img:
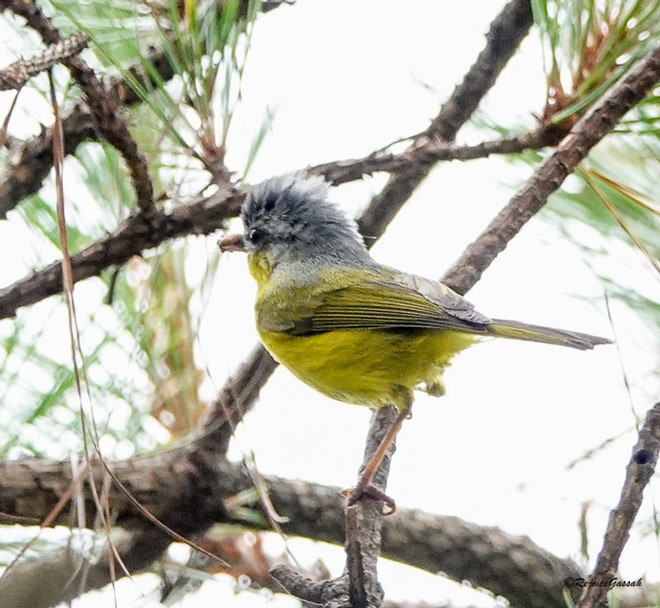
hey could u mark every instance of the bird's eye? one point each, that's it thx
(255, 235)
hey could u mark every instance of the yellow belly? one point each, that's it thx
(368, 367)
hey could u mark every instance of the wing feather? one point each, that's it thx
(397, 302)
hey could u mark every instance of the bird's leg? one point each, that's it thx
(365, 487)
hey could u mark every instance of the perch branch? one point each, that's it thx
(505, 34)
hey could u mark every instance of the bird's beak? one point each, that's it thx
(233, 242)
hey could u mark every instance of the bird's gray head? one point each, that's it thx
(289, 218)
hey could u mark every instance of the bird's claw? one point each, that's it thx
(370, 491)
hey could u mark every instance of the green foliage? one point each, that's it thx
(588, 45)
(611, 197)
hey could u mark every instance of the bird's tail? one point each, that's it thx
(546, 335)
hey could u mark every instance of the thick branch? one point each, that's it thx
(29, 164)
(198, 484)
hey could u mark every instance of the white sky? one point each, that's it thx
(345, 78)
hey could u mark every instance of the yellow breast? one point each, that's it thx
(368, 367)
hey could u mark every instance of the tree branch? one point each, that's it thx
(131, 238)
(427, 149)
(30, 162)
(203, 466)
(638, 473)
(62, 577)
(15, 75)
(206, 215)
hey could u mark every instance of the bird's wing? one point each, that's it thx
(394, 301)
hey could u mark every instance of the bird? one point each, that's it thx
(351, 328)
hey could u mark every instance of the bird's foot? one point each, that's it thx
(369, 490)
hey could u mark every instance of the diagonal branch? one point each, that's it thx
(131, 238)
(505, 34)
(638, 473)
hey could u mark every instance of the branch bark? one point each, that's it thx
(638, 473)
(585, 134)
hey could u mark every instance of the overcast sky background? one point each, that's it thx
(345, 78)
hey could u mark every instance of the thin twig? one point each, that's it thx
(429, 149)
(638, 473)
